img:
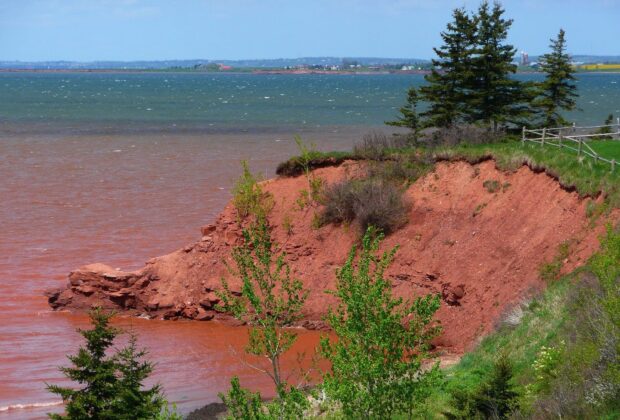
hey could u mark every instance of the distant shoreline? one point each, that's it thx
(257, 72)
(253, 71)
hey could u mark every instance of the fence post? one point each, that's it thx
(574, 128)
(618, 124)
(580, 146)
(613, 165)
(560, 139)
(523, 136)
(544, 135)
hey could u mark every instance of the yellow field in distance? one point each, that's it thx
(600, 67)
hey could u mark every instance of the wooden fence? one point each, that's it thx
(570, 138)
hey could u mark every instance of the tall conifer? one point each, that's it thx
(558, 91)
(447, 84)
(495, 97)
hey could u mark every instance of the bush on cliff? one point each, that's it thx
(371, 201)
(248, 196)
(380, 341)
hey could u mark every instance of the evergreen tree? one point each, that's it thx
(497, 394)
(111, 383)
(495, 398)
(408, 114)
(495, 98)
(558, 91)
(448, 82)
(133, 401)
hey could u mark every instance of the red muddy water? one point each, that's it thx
(67, 200)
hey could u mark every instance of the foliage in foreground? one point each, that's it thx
(380, 340)
(561, 350)
(270, 301)
(112, 384)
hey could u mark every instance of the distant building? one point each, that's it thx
(525, 58)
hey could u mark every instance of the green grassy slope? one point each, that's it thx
(563, 345)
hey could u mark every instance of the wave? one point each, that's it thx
(28, 406)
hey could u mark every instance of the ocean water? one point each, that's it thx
(118, 168)
(87, 102)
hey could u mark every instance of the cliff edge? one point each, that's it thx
(482, 251)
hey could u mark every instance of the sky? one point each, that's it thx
(89, 30)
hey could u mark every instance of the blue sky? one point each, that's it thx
(86, 30)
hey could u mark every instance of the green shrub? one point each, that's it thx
(404, 170)
(271, 300)
(241, 403)
(316, 188)
(380, 341)
(370, 202)
(551, 270)
(491, 185)
(248, 196)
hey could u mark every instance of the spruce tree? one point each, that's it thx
(558, 91)
(447, 86)
(408, 114)
(134, 402)
(111, 383)
(495, 98)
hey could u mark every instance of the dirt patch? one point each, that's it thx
(480, 251)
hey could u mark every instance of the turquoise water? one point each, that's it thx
(114, 101)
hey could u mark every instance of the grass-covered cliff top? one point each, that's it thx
(584, 175)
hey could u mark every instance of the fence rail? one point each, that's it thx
(567, 138)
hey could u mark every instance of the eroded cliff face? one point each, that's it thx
(481, 251)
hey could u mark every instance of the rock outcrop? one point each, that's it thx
(480, 251)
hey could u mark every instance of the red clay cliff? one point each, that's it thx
(481, 251)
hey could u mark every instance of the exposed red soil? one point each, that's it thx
(481, 251)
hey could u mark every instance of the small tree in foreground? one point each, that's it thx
(495, 398)
(112, 384)
(380, 340)
(270, 301)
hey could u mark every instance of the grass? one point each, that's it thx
(609, 149)
(297, 165)
(584, 175)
